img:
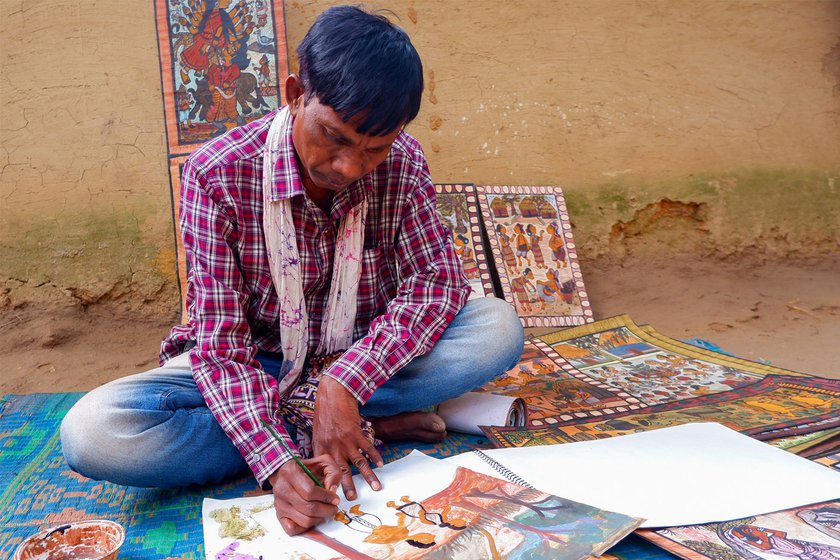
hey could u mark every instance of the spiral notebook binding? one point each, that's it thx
(501, 469)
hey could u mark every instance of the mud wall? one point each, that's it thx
(711, 129)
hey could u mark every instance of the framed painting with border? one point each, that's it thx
(457, 207)
(223, 63)
(535, 255)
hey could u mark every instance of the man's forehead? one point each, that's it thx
(349, 127)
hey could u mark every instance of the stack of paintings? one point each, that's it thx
(614, 377)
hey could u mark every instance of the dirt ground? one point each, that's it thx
(787, 314)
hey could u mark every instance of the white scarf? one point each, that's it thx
(284, 262)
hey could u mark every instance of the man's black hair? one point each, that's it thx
(359, 63)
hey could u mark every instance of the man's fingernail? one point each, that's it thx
(380, 464)
(335, 501)
(376, 486)
(439, 427)
(351, 495)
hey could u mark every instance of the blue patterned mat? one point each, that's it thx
(39, 490)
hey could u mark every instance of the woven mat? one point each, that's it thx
(39, 490)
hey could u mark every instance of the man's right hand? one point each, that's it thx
(299, 503)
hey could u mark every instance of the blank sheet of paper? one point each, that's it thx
(683, 475)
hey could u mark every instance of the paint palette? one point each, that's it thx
(82, 540)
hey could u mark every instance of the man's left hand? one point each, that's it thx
(337, 431)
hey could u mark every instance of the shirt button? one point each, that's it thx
(371, 385)
(256, 457)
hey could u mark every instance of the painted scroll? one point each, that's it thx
(535, 255)
(554, 391)
(808, 532)
(457, 206)
(223, 63)
(773, 407)
(664, 382)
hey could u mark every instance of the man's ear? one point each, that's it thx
(294, 93)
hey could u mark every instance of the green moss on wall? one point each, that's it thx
(90, 258)
(786, 212)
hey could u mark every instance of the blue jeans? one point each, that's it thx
(154, 429)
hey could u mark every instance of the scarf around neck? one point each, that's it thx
(284, 263)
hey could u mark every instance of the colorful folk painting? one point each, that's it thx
(457, 206)
(479, 516)
(650, 366)
(223, 63)
(535, 255)
(831, 460)
(426, 509)
(774, 407)
(554, 391)
(806, 533)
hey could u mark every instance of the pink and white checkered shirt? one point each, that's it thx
(412, 283)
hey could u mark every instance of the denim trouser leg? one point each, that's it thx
(483, 341)
(154, 428)
(149, 429)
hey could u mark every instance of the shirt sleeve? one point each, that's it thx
(432, 289)
(238, 392)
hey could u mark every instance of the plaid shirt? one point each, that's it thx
(412, 283)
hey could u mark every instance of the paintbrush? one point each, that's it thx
(295, 457)
(314, 478)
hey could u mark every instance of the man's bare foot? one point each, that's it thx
(419, 426)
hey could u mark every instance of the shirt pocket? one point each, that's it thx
(377, 286)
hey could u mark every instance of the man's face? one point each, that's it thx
(331, 153)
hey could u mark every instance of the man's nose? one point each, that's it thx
(348, 164)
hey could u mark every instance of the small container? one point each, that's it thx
(96, 539)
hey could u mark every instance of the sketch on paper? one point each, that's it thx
(479, 516)
(427, 509)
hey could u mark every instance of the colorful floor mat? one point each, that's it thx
(39, 490)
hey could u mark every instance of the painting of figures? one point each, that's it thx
(806, 533)
(555, 391)
(223, 63)
(457, 207)
(535, 255)
(772, 408)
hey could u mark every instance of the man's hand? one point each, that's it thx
(337, 431)
(299, 503)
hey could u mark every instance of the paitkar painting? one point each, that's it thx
(457, 206)
(223, 63)
(535, 255)
(806, 533)
(555, 391)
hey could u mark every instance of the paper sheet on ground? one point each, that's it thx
(684, 475)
